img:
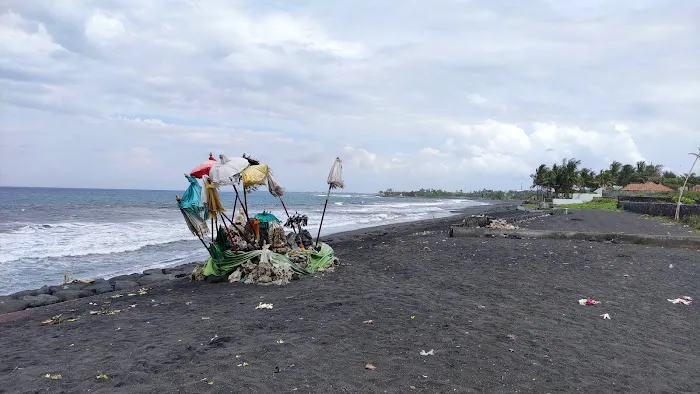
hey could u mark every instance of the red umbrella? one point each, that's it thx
(203, 169)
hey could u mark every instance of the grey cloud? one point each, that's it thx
(370, 75)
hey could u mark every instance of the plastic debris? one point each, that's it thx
(429, 353)
(588, 301)
(368, 322)
(53, 320)
(100, 375)
(188, 303)
(370, 367)
(263, 306)
(53, 376)
(605, 316)
(685, 300)
(279, 341)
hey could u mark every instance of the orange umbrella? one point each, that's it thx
(204, 168)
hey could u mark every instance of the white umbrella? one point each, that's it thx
(335, 181)
(225, 173)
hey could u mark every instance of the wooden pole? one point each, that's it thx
(323, 214)
(287, 212)
(228, 232)
(680, 195)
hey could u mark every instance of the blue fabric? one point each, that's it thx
(192, 198)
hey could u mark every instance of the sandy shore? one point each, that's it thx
(500, 315)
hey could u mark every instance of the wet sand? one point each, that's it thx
(500, 315)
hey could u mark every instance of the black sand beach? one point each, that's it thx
(494, 314)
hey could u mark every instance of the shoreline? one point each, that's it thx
(58, 293)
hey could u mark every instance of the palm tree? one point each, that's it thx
(615, 168)
(604, 179)
(587, 178)
(541, 176)
(626, 175)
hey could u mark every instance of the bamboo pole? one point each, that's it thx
(318, 236)
(680, 195)
(287, 212)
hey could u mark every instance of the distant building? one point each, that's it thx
(650, 187)
(695, 188)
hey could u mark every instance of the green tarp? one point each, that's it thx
(227, 261)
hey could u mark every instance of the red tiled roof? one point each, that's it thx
(646, 187)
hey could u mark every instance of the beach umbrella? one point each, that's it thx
(266, 217)
(194, 222)
(204, 168)
(226, 172)
(335, 181)
(255, 175)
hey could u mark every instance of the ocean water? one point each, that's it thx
(87, 233)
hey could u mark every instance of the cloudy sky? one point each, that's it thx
(460, 94)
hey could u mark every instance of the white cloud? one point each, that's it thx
(414, 101)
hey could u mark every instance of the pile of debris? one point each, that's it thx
(484, 221)
(501, 224)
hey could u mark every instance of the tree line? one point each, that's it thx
(439, 193)
(567, 176)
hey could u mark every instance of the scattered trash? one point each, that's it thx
(188, 303)
(131, 294)
(370, 367)
(605, 316)
(118, 295)
(100, 375)
(53, 376)
(429, 353)
(263, 306)
(279, 341)
(413, 317)
(511, 337)
(588, 301)
(243, 365)
(685, 300)
(214, 338)
(143, 291)
(53, 320)
(205, 318)
(670, 266)
(368, 322)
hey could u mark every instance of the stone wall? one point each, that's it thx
(660, 209)
(663, 199)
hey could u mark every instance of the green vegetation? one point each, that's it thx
(568, 176)
(606, 204)
(693, 222)
(485, 194)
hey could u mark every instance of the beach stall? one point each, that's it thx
(251, 248)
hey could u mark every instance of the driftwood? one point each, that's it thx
(692, 242)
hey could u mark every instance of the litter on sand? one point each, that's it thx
(685, 300)
(370, 367)
(428, 353)
(368, 322)
(588, 301)
(53, 376)
(263, 306)
(605, 316)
